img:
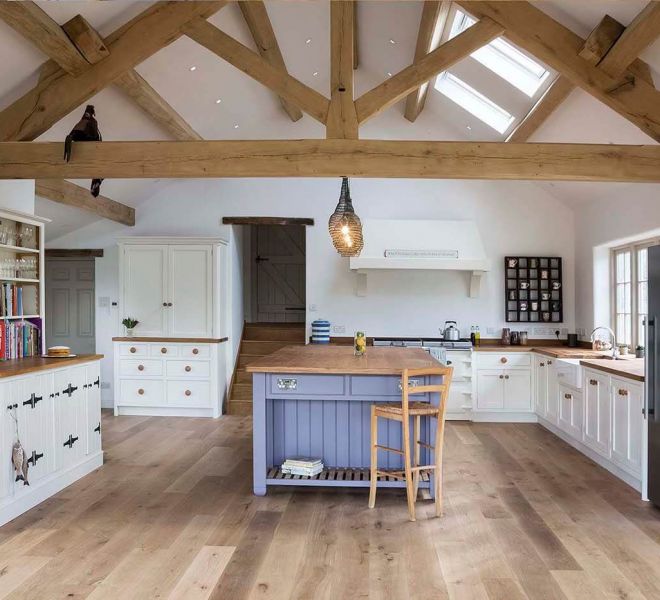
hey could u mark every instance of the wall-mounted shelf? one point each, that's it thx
(19, 279)
(18, 318)
(19, 249)
(533, 289)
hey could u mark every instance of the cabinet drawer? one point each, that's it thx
(494, 360)
(306, 385)
(136, 392)
(133, 349)
(185, 368)
(141, 368)
(164, 350)
(194, 351)
(380, 385)
(188, 393)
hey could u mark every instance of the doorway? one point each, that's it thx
(278, 273)
(70, 315)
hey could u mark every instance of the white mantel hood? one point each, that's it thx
(415, 244)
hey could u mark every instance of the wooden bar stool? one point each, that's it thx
(402, 413)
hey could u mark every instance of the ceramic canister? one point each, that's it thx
(320, 331)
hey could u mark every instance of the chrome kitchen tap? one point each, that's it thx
(615, 349)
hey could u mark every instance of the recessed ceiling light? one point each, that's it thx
(392, 41)
(193, 68)
(308, 41)
(468, 127)
(236, 126)
(389, 74)
(315, 73)
(218, 101)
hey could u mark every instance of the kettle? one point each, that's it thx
(451, 332)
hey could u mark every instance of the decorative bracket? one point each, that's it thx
(475, 283)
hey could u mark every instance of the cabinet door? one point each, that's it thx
(490, 389)
(190, 287)
(144, 276)
(37, 425)
(93, 407)
(518, 390)
(597, 412)
(70, 416)
(541, 384)
(570, 412)
(552, 392)
(7, 430)
(627, 425)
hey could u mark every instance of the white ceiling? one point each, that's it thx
(257, 111)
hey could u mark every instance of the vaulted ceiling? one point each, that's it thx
(220, 102)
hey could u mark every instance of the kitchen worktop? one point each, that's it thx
(341, 360)
(552, 351)
(197, 340)
(632, 368)
(21, 366)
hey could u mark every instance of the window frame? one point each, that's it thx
(633, 248)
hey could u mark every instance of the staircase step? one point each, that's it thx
(242, 376)
(239, 408)
(263, 348)
(285, 332)
(245, 359)
(241, 391)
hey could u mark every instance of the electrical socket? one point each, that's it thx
(338, 329)
(490, 330)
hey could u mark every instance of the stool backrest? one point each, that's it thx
(440, 388)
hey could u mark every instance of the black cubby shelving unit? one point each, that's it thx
(534, 289)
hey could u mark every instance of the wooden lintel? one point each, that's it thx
(74, 253)
(266, 221)
(333, 158)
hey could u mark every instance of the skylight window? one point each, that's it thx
(504, 59)
(471, 100)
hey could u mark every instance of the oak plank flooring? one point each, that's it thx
(171, 515)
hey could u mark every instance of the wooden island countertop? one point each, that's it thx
(32, 364)
(325, 359)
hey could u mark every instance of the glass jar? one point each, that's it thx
(359, 343)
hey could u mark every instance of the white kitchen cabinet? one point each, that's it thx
(552, 406)
(71, 424)
(541, 385)
(518, 390)
(504, 389)
(627, 400)
(93, 407)
(6, 438)
(490, 389)
(597, 411)
(168, 286)
(571, 411)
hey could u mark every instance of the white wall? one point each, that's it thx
(17, 194)
(622, 213)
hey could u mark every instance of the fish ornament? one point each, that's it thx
(19, 460)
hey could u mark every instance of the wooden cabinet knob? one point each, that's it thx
(188, 392)
(164, 303)
(133, 350)
(501, 376)
(593, 382)
(623, 392)
(504, 360)
(188, 368)
(195, 351)
(506, 377)
(141, 391)
(140, 367)
(549, 362)
(541, 364)
(163, 350)
(567, 396)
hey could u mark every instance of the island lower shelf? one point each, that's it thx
(339, 477)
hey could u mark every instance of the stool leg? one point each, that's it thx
(407, 468)
(439, 439)
(374, 458)
(416, 453)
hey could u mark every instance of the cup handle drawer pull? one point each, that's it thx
(140, 367)
(141, 391)
(187, 392)
(133, 350)
(287, 384)
(623, 392)
(593, 382)
(188, 369)
(412, 383)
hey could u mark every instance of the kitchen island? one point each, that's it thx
(315, 401)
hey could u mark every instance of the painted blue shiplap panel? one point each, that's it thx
(316, 428)
(329, 432)
(278, 432)
(342, 433)
(355, 433)
(290, 428)
(269, 434)
(303, 423)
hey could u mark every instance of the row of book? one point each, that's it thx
(299, 465)
(19, 339)
(11, 300)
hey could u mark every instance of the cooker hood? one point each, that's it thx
(431, 245)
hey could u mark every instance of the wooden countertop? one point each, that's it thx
(552, 351)
(325, 359)
(631, 368)
(21, 366)
(168, 340)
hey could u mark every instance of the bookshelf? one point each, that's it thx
(22, 272)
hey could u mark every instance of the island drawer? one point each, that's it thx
(305, 385)
(381, 385)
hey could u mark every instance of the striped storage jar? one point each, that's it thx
(320, 332)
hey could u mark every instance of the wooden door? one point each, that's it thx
(517, 390)
(144, 288)
(541, 384)
(190, 291)
(279, 254)
(597, 413)
(70, 316)
(490, 389)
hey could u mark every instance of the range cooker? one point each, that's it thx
(436, 347)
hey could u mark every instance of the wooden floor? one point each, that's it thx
(171, 515)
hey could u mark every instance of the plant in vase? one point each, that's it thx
(360, 343)
(129, 323)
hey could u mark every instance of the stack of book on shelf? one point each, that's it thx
(19, 339)
(11, 300)
(301, 465)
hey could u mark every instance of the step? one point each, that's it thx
(241, 391)
(239, 408)
(263, 348)
(246, 359)
(242, 376)
(275, 332)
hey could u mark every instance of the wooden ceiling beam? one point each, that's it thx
(57, 94)
(334, 158)
(431, 28)
(342, 118)
(258, 22)
(558, 47)
(28, 19)
(402, 83)
(309, 100)
(65, 192)
(356, 57)
(642, 32)
(86, 39)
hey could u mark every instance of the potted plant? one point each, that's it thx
(129, 323)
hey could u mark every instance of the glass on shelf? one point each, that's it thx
(25, 267)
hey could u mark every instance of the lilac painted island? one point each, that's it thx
(315, 401)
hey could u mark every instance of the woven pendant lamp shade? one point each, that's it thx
(345, 226)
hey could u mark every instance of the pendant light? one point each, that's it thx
(345, 226)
